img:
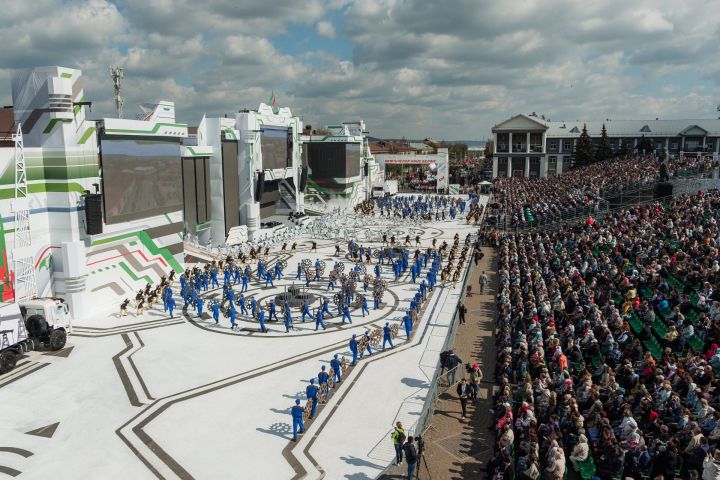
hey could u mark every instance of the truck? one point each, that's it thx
(34, 324)
(391, 187)
(387, 188)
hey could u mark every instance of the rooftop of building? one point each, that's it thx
(615, 128)
(420, 146)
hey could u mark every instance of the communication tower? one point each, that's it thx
(116, 73)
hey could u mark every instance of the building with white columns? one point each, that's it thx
(529, 146)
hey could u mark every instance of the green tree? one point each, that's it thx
(604, 150)
(645, 145)
(625, 148)
(457, 151)
(489, 147)
(584, 149)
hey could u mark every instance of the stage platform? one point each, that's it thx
(154, 397)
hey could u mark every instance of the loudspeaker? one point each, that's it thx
(303, 178)
(663, 189)
(366, 170)
(260, 186)
(93, 214)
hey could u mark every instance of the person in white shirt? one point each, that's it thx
(580, 452)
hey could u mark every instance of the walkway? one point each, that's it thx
(459, 448)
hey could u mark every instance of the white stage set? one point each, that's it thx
(341, 169)
(95, 210)
(155, 397)
(105, 206)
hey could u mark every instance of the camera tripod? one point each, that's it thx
(427, 468)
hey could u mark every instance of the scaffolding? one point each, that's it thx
(25, 284)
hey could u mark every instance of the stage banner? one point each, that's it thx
(442, 168)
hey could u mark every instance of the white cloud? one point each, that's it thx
(325, 29)
(417, 68)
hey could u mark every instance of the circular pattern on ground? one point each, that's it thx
(250, 326)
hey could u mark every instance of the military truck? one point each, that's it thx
(39, 323)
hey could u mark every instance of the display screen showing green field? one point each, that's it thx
(329, 160)
(141, 178)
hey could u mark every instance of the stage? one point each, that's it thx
(154, 397)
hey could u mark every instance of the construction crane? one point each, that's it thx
(116, 73)
(23, 259)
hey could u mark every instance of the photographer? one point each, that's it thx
(411, 456)
(448, 362)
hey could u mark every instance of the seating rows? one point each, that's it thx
(607, 339)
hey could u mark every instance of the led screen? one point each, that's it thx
(274, 145)
(141, 178)
(334, 160)
(352, 159)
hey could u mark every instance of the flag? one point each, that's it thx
(273, 100)
(7, 276)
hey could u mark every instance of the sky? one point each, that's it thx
(446, 69)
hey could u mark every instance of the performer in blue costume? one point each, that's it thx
(297, 416)
(386, 336)
(319, 322)
(261, 319)
(323, 379)
(353, 348)
(288, 319)
(408, 325)
(346, 313)
(215, 307)
(335, 365)
(311, 392)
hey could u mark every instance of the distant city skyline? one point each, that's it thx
(408, 68)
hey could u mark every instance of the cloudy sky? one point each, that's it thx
(448, 69)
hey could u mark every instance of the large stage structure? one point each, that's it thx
(110, 204)
(255, 170)
(340, 167)
(103, 197)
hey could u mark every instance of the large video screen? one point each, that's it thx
(274, 145)
(352, 159)
(334, 159)
(141, 178)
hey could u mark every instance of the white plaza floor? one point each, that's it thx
(153, 397)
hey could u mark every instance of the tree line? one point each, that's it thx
(585, 154)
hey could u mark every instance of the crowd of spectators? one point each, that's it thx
(691, 165)
(574, 192)
(607, 338)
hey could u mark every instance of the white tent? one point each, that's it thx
(485, 186)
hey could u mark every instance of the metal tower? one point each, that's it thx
(117, 75)
(24, 264)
